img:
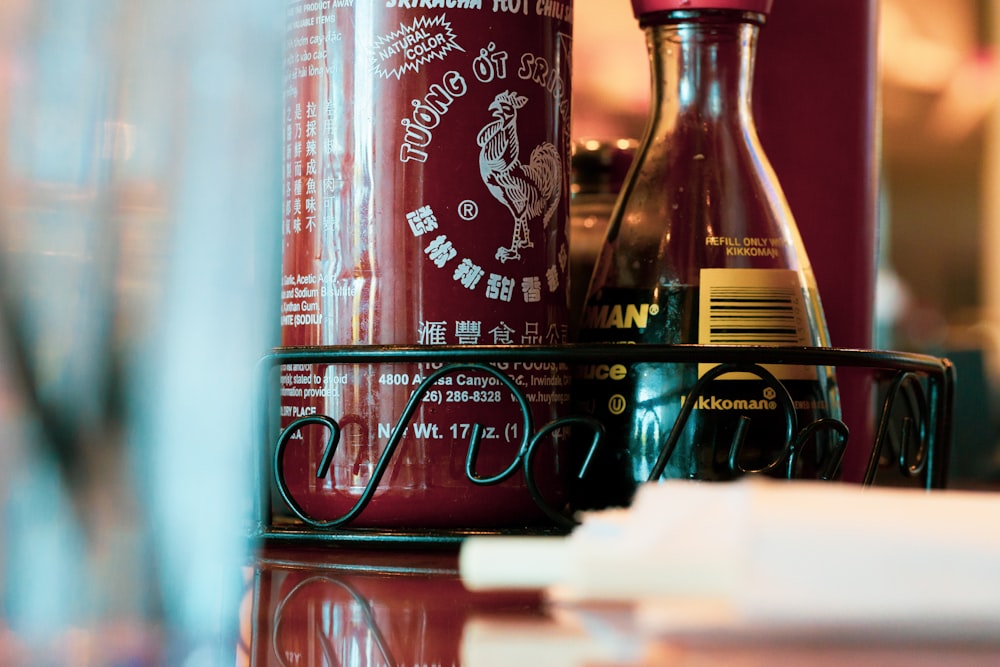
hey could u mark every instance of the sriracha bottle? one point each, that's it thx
(426, 204)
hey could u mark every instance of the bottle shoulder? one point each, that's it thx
(683, 210)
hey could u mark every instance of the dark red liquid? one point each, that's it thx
(426, 203)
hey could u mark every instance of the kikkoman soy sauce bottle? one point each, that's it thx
(426, 203)
(701, 248)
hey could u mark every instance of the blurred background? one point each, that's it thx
(140, 167)
(940, 150)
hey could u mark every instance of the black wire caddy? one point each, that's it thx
(911, 432)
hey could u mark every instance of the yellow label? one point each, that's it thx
(754, 307)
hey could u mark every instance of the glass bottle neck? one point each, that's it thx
(702, 65)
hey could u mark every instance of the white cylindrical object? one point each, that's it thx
(514, 562)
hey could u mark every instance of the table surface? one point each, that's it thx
(329, 605)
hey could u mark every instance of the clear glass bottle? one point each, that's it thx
(701, 248)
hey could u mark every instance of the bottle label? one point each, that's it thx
(755, 307)
(426, 202)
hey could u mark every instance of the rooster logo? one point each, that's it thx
(529, 191)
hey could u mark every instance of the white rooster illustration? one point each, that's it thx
(529, 191)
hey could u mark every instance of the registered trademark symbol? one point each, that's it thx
(468, 209)
(654, 309)
(769, 393)
(616, 404)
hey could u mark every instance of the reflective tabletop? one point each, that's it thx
(306, 606)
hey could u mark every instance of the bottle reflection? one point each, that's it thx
(324, 620)
(375, 609)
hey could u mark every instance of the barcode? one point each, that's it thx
(754, 315)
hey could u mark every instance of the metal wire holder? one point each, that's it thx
(912, 432)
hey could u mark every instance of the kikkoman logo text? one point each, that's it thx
(715, 403)
(768, 402)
